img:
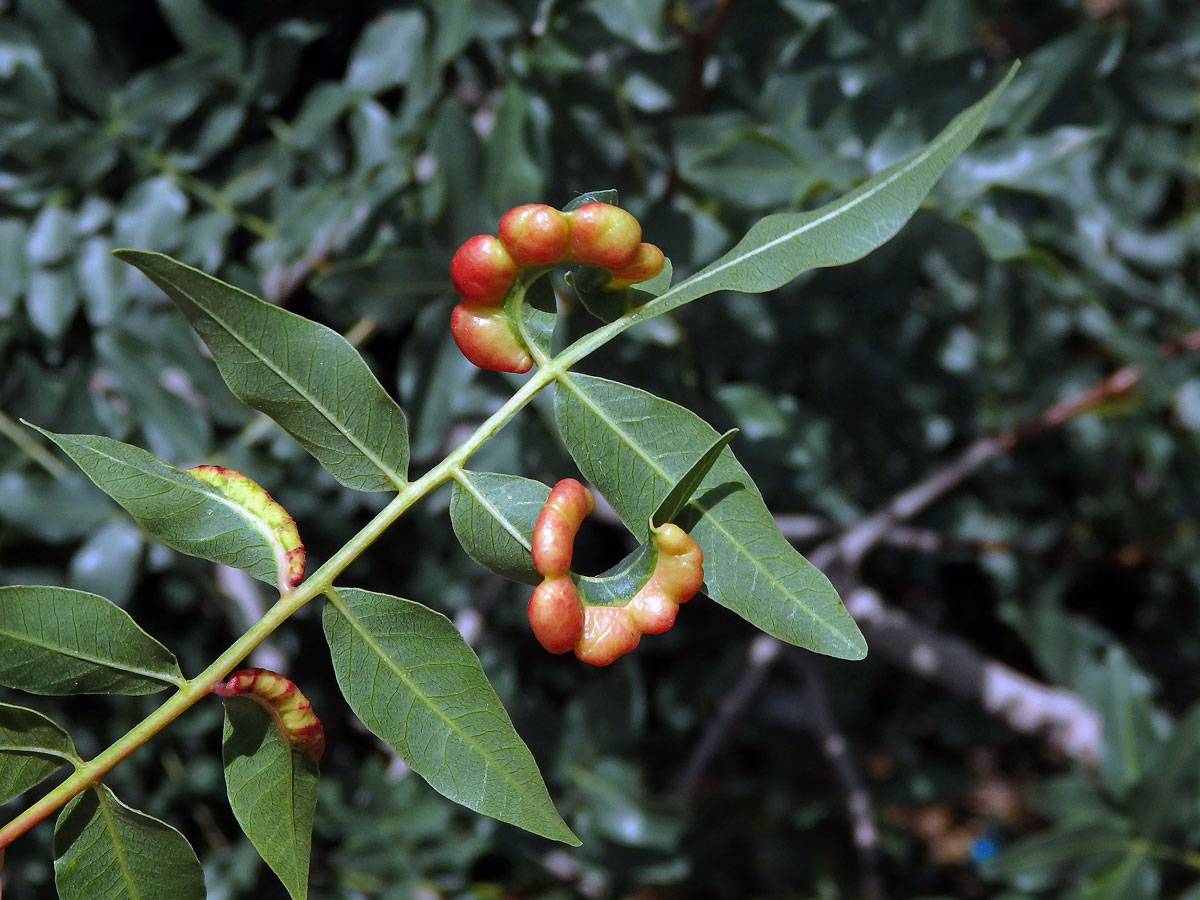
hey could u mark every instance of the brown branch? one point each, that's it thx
(761, 655)
(853, 543)
(1024, 704)
(701, 49)
(824, 728)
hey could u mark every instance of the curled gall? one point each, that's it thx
(485, 269)
(280, 697)
(599, 635)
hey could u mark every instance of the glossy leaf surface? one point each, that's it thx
(58, 641)
(412, 679)
(305, 376)
(272, 789)
(634, 446)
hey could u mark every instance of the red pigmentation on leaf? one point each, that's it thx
(289, 708)
(604, 235)
(557, 524)
(609, 632)
(648, 262)
(556, 615)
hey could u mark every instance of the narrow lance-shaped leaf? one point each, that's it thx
(781, 246)
(411, 678)
(634, 447)
(493, 517)
(307, 377)
(59, 641)
(676, 501)
(272, 789)
(32, 748)
(105, 850)
(1129, 741)
(210, 512)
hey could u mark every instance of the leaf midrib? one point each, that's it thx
(394, 477)
(464, 478)
(340, 605)
(948, 136)
(571, 384)
(288, 749)
(84, 657)
(110, 826)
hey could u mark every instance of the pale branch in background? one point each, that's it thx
(824, 728)
(1026, 705)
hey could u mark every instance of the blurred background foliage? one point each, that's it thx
(330, 157)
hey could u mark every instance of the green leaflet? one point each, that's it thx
(634, 446)
(1040, 856)
(1129, 742)
(32, 748)
(200, 516)
(305, 376)
(411, 678)
(272, 789)
(493, 516)
(264, 514)
(58, 641)
(1170, 771)
(779, 247)
(677, 501)
(105, 850)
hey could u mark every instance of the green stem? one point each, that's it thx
(30, 446)
(202, 190)
(91, 772)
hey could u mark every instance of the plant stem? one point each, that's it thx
(30, 447)
(89, 773)
(202, 190)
